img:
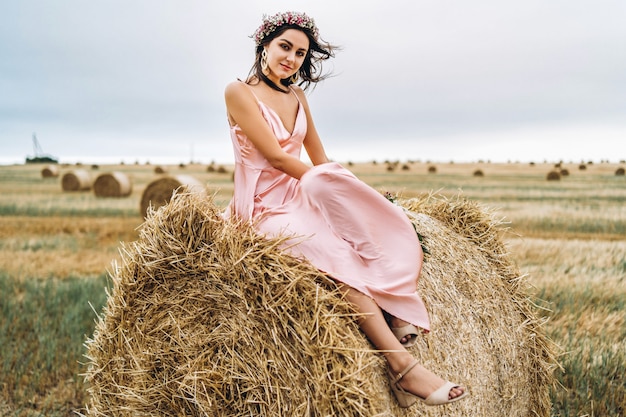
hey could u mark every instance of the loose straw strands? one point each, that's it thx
(206, 318)
(195, 327)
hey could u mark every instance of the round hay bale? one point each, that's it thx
(553, 176)
(582, 167)
(432, 169)
(564, 172)
(206, 318)
(50, 171)
(619, 171)
(159, 170)
(76, 180)
(479, 173)
(113, 184)
(159, 192)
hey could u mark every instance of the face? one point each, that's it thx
(286, 53)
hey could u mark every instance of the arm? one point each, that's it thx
(312, 142)
(243, 109)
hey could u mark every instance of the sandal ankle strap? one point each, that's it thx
(406, 370)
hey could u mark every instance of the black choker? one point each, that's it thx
(272, 85)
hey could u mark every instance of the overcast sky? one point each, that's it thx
(143, 80)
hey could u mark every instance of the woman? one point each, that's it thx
(342, 226)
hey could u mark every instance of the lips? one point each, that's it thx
(285, 67)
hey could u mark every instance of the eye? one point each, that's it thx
(300, 54)
(284, 46)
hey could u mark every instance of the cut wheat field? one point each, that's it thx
(568, 236)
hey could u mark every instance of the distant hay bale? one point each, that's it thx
(159, 170)
(582, 167)
(479, 173)
(564, 172)
(553, 176)
(432, 169)
(206, 318)
(619, 171)
(76, 180)
(159, 192)
(113, 184)
(50, 171)
(222, 170)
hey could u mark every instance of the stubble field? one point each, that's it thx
(568, 236)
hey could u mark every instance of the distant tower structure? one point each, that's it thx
(39, 156)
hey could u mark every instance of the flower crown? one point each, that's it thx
(271, 23)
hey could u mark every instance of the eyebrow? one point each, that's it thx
(291, 44)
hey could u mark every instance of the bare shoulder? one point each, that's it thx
(238, 95)
(236, 90)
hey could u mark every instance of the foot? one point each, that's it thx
(422, 382)
(406, 339)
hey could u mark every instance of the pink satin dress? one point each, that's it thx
(341, 225)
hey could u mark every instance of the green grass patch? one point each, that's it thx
(564, 226)
(64, 210)
(43, 326)
(592, 381)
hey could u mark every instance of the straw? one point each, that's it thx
(206, 318)
(113, 184)
(77, 180)
(50, 171)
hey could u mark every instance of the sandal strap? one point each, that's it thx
(406, 370)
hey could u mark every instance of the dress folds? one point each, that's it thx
(341, 225)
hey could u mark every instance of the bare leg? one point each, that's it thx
(419, 381)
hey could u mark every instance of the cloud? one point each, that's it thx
(112, 74)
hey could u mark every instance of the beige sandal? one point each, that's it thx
(407, 399)
(404, 331)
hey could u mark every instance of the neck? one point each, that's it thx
(273, 85)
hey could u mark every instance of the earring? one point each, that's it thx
(264, 60)
(294, 78)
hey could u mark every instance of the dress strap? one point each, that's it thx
(294, 93)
